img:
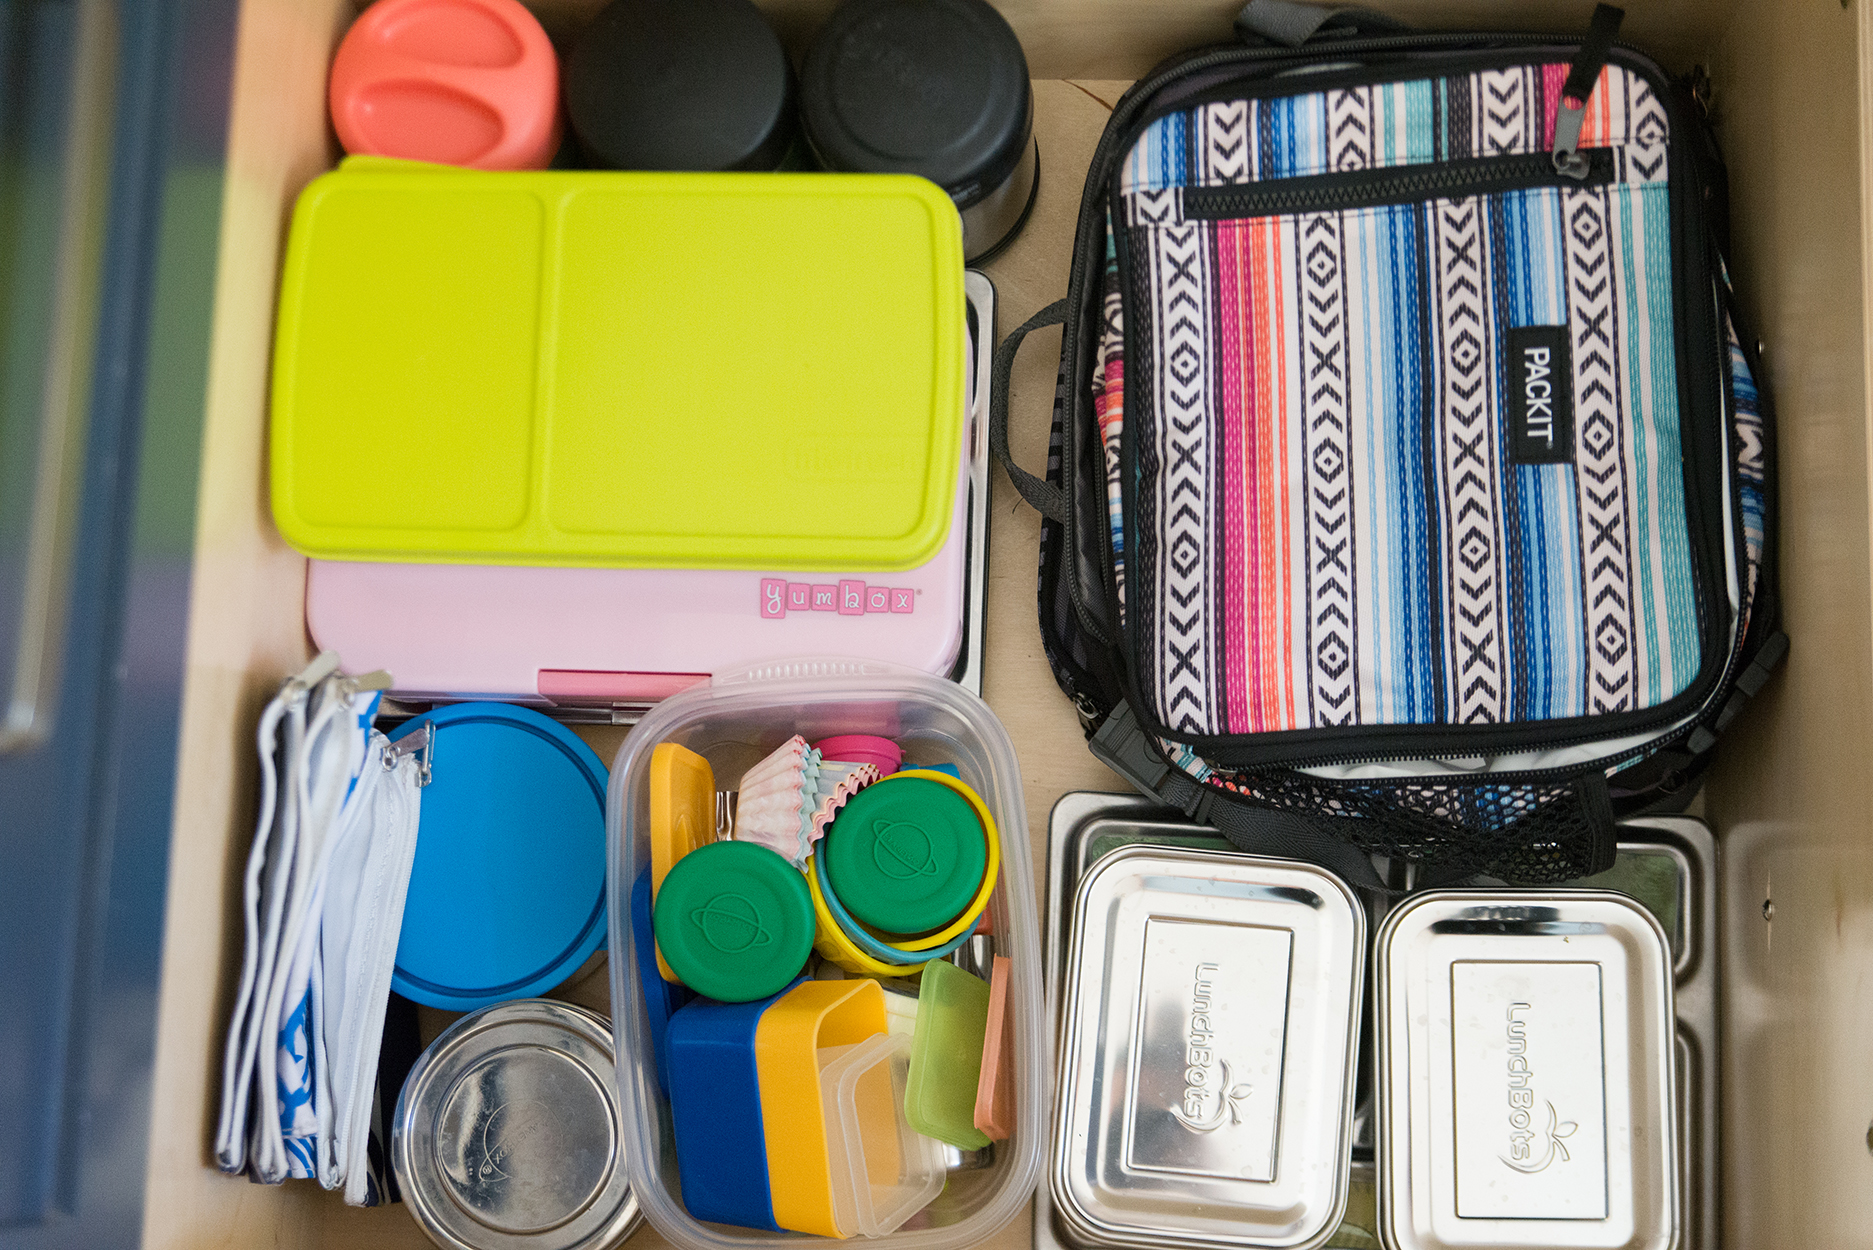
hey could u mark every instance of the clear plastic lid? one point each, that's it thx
(883, 1170)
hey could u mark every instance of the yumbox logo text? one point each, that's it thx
(847, 598)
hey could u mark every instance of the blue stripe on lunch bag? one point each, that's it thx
(1421, 556)
(1293, 113)
(1520, 506)
(1174, 156)
(1557, 590)
(1376, 596)
(1384, 492)
(1662, 539)
(1420, 108)
(1281, 147)
(1547, 638)
(1409, 687)
(1161, 157)
(1309, 142)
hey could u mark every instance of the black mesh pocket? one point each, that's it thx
(1524, 833)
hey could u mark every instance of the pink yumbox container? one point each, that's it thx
(624, 637)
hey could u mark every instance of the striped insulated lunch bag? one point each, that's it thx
(1410, 492)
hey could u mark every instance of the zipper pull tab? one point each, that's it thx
(359, 683)
(1581, 77)
(321, 666)
(418, 742)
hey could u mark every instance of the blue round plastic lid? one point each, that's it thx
(507, 893)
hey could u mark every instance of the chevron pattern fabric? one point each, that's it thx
(1328, 525)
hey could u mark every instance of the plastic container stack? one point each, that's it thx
(848, 1099)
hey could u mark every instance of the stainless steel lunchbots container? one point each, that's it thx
(507, 1133)
(1207, 1052)
(1526, 1091)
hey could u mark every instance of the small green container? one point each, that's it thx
(946, 1056)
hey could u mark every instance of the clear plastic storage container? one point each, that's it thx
(883, 1171)
(734, 723)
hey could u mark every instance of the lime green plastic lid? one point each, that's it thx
(906, 855)
(601, 369)
(734, 921)
(946, 1056)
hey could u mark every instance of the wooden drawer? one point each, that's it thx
(1792, 795)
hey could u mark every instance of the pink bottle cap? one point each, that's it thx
(457, 82)
(862, 749)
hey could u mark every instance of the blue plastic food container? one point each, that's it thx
(715, 1108)
(662, 999)
(507, 895)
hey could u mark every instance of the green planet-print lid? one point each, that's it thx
(734, 921)
(906, 855)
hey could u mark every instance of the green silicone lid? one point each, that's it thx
(946, 1056)
(734, 921)
(906, 855)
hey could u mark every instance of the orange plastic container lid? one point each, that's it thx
(460, 82)
(995, 1091)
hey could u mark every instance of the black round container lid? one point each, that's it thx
(681, 84)
(931, 87)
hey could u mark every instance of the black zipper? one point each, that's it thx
(1506, 780)
(1581, 76)
(1380, 755)
(1371, 188)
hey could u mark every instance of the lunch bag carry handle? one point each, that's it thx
(1292, 24)
(1043, 496)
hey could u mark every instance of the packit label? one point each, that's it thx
(1540, 391)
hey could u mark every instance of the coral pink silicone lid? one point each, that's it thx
(457, 82)
(995, 1091)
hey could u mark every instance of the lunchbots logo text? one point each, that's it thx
(1522, 1131)
(1206, 1076)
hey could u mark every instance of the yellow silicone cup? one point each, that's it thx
(831, 942)
(809, 1017)
(990, 871)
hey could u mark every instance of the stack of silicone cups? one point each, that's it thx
(849, 944)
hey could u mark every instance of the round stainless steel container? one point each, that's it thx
(936, 88)
(682, 84)
(507, 1133)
